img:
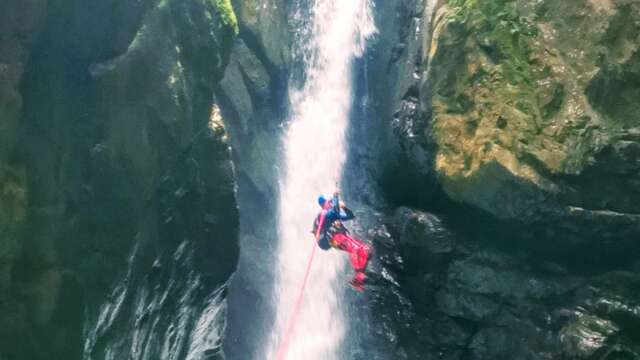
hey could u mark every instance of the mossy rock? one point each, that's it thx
(529, 100)
(227, 14)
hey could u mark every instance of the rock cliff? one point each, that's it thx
(253, 100)
(512, 135)
(118, 214)
(524, 111)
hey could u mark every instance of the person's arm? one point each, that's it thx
(346, 213)
(342, 212)
(336, 202)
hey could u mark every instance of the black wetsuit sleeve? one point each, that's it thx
(348, 214)
(336, 203)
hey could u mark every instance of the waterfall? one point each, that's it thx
(314, 154)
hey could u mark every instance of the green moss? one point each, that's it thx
(502, 34)
(623, 28)
(499, 23)
(460, 104)
(228, 16)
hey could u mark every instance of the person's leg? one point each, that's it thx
(359, 252)
(359, 259)
(344, 243)
(364, 253)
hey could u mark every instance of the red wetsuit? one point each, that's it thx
(335, 234)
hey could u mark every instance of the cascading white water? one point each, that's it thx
(314, 156)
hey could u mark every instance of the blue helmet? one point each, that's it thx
(321, 200)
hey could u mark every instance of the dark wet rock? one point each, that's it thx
(19, 23)
(419, 229)
(518, 341)
(523, 112)
(423, 240)
(585, 335)
(394, 154)
(492, 274)
(466, 306)
(452, 333)
(118, 165)
(264, 25)
(252, 97)
(480, 302)
(173, 309)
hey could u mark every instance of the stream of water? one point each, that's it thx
(315, 151)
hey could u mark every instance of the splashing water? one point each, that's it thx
(314, 156)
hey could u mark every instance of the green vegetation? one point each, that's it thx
(499, 23)
(503, 35)
(228, 16)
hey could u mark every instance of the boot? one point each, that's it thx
(358, 281)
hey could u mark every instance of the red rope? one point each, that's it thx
(284, 346)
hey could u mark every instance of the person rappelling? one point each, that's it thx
(330, 231)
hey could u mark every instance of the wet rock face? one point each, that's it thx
(516, 108)
(253, 101)
(479, 302)
(504, 104)
(18, 23)
(386, 146)
(118, 196)
(264, 25)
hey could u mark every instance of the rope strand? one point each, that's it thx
(284, 346)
